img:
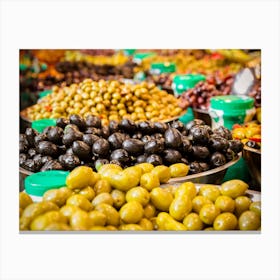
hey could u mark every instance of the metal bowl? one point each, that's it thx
(202, 115)
(253, 160)
(213, 176)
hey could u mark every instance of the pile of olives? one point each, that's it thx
(110, 100)
(77, 141)
(132, 199)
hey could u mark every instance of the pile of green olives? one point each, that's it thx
(132, 199)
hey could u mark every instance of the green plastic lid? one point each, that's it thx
(141, 56)
(182, 83)
(38, 183)
(40, 125)
(189, 116)
(231, 103)
(163, 67)
(22, 67)
(129, 52)
(44, 67)
(45, 93)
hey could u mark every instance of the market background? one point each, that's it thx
(267, 219)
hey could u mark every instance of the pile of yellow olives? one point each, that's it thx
(132, 199)
(110, 100)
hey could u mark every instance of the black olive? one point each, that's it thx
(160, 127)
(22, 137)
(154, 159)
(81, 149)
(185, 161)
(62, 122)
(173, 138)
(46, 130)
(171, 156)
(194, 122)
(141, 159)
(31, 165)
(93, 121)
(23, 146)
(22, 158)
(105, 131)
(61, 149)
(71, 136)
(229, 154)
(223, 132)
(218, 143)
(204, 166)
(133, 146)
(146, 138)
(93, 130)
(253, 144)
(55, 134)
(70, 127)
(200, 152)
(30, 135)
(195, 167)
(101, 147)
(128, 126)
(52, 165)
(137, 135)
(69, 151)
(158, 136)
(31, 152)
(217, 159)
(78, 121)
(116, 139)
(113, 126)
(46, 159)
(39, 138)
(186, 147)
(38, 160)
(69, 162)
(178, 125)
(99, 162)
(146, 127)
(199, 134)
(47, 148)
(236, 146)
(120, 155)
(154, 147)
(90, 139)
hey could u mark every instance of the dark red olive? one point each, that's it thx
(200, 152)
(62, 122)
(173, 138)
(236, 146)
(69, 162)
(55, 134)
(52, 165)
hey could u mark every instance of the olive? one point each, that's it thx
(31, 152)
(71, 136)
(22, 137)
(93, 130)
(204, 166)
(52, 165)
(23, 146)
(31, 165)
(128, 126)
(69, 162)
(160, 127)
(61, 149)
(173, 138)
(194, 122)
(217, 159)
(253, 144)
(39, 138)
(55, 134)
(223, 132)
(146, 127)
(99, 162)
(185, 161)
(199, 134)
(137, 135)
(101, 147)
(171, 156)
(158, 136)
(30, 135)
(93, 121)
(195, 167)
(218, 143)
(200, 152)
(154, 160)
(69, 151)
(146, 138)
(45, 159)
(154, 147)
(229, 154)
(105, 131)
(78, 121)
(141, 159)
(186, 147)
(116, 139)
(89, 139)
(133, 146)
(47, 148)
(236, 146)
(120, 155)
(62, 122)
(113, 126)
(22, 158)
(71, 127)
(117, 162)
(178, 125)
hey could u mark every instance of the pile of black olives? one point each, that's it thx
(77, 141)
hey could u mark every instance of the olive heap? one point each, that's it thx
(110, 100)
(132, 199)
(77, 141)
